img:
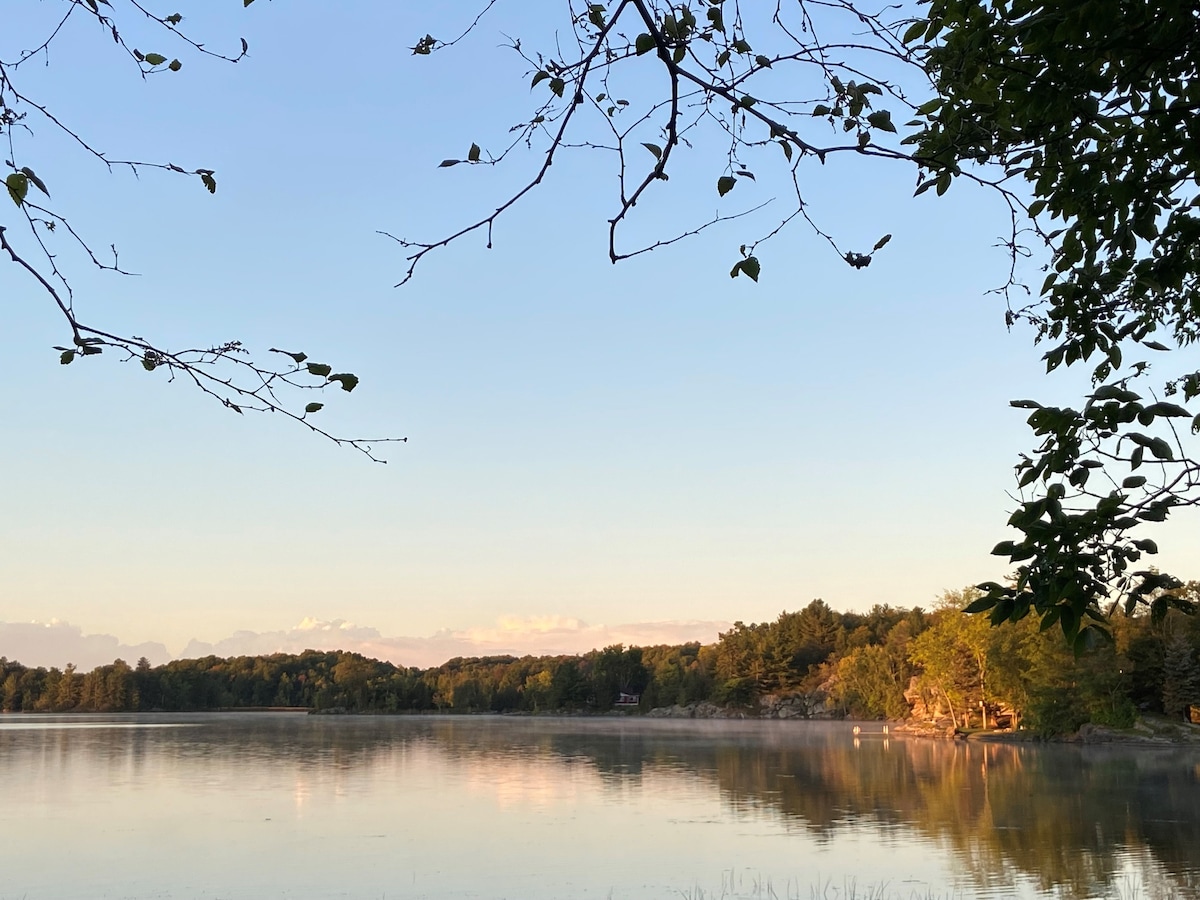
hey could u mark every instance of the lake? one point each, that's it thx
(259, 806)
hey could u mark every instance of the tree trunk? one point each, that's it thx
(949, 705)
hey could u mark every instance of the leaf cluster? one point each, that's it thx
(1093, 105)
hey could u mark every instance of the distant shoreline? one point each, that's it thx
(1148, 731)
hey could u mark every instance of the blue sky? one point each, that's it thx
(650, 442)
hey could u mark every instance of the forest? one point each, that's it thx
(887, 663)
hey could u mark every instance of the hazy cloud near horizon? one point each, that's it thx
(58, 643)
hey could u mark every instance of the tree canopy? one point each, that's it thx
(1094, 105)
(941, 668)
(1080, 116)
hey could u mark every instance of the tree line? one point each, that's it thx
(888, 663)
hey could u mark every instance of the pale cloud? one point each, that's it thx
(58, 643)
(539, 624)
(559, 635)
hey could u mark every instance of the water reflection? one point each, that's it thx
(505, 806)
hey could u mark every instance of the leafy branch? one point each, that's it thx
(708, 70)
(1080, 113)
(225, 372)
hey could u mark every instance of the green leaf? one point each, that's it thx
(644, 44)
(914, 31)
(557, 86)
(1169, 410)
(1115, 392)
(1050, 619)
(748, 266)
(18, 186)
(1134, 481)
(882, 119)
(297, 357)
(1083, 640)
(881, 243)
(67, 357)
(319, 369)
(473, 153)
(983, 604)
(155, 59)
(447, 163)
(821, 110)
(787, 150)
(175, 65)
(37, 182)
(655, 149)
(313, 407)
(725, 184)
(349, 382)
(209, 182)
(539, 76)
(149, 364)
(763, 61)
(1161, 449)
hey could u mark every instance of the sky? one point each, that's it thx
(638, 453)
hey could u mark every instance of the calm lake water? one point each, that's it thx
(264, 806)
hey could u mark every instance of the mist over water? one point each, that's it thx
(262, 806)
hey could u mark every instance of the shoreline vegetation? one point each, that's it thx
(941, 673)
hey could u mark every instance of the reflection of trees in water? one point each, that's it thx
(1076, 819)
(1066, 817)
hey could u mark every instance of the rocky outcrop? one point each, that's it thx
(700, 710)
(1146, 730)
(815, 705)
(938, 728)
(916, 700)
